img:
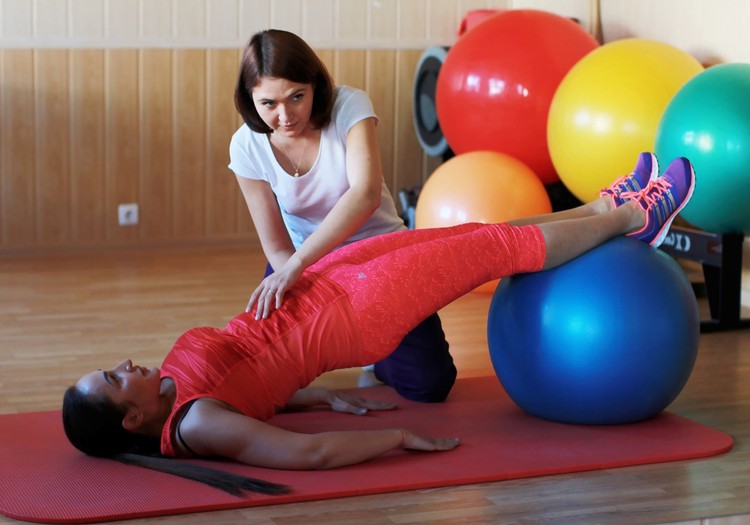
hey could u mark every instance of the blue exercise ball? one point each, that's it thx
(608, 338)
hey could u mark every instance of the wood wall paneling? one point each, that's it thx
(381, 77)
(351, 68)
(221, 186)
(328, 57)
(52, 119)
(407, 158)
(156, 162)
(17, 161)
(122, 173)
(85, 130)
(87, 139)
(189, 182)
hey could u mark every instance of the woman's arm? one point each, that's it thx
(266, 216)
(209, 429)
(365, 176)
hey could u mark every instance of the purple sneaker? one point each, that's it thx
(663, 199)
(646, 170)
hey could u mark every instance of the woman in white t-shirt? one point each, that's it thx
(308, 164)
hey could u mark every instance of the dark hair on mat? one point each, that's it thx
(280, 54)
(94, 426)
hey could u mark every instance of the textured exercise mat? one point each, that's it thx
(44, 479)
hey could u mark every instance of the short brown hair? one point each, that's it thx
(281, 54)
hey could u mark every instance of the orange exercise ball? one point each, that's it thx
(480, 186)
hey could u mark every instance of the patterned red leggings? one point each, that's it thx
(396, 280)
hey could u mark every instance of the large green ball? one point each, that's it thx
(708, 121)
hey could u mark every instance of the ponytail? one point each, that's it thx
(232, 483)
(94, 426)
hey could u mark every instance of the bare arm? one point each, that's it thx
(264, 210)
(211, 430)
(356, 205)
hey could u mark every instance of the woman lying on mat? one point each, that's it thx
(216, 387)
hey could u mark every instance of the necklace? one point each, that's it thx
(296, 168)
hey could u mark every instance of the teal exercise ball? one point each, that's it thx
(708, 121)
(610, 337)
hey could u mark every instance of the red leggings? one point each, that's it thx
(396, 280)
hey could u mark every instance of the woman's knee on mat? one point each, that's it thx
(421, 368)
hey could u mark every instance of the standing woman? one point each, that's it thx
(308, 165)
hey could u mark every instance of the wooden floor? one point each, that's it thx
(61, 316)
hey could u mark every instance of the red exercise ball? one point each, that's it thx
(496, 85)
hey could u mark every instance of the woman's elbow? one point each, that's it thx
(319, 457)
(371, 198)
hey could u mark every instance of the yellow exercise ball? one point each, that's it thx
(607, 110)
(480, 186)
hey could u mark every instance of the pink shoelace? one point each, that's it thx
(652, 195)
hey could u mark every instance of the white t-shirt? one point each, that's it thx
(305, 201)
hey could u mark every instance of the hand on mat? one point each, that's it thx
(270, 292)
(341, 402)
(414, 441)
(338, 401)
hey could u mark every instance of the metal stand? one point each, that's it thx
(721, 258)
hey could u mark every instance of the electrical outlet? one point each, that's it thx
(127, 214)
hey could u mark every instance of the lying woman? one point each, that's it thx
(216, 388)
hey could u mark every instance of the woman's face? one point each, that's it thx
(284, 106)
(126, 384)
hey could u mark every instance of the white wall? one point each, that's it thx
(711, 30)
(330, 24)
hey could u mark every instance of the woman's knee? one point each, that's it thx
(421, 368)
